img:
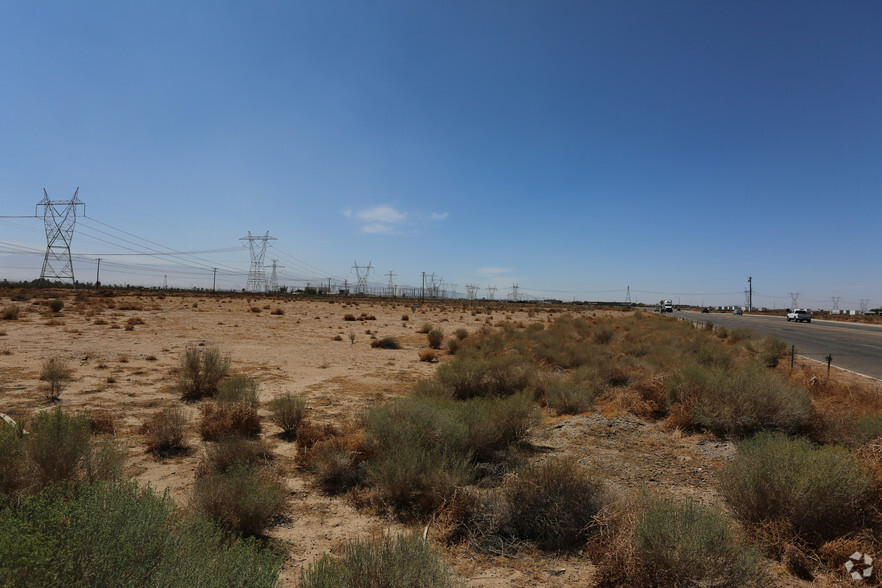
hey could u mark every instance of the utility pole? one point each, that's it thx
(423, 289)
(750, 297)
(391, 292)
(98, 273)
(214, 278)
(59, 218)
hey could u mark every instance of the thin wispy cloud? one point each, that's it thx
(492, 271)
(378, 220)
(439, 215)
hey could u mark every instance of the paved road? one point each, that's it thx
(854, 346)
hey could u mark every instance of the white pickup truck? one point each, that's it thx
(799, 315)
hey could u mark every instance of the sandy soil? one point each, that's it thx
(130, 374)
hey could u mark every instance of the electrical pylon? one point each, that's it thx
(794, 299)
(514, 292)
(491, 292)
(628, 296)
(835, 300)
(865, 303)
(273, 284)
(362, 272)
(391, 291)
(257, 272)
(59, 218)
(471, 291)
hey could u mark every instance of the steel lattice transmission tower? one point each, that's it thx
(257, 271)
(59, 218)
(273, 284)
(628, 296)
(391, 288)
(471, 291)
(514, 293)
(361, 273)
(865, 303)
(794, 299)
(835, 300)
(491, 292)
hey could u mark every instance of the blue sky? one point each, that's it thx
(571, 148)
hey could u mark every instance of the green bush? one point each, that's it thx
(166, 431)
(453, 345)
(57, 374)
(435, 337)
(238, 389)
(243, 498)
(681, 543)
(819, 491)
(748, 399)
(287, 412)
(468, 376)
(12, 456)
(200, 371)
(772, 351)
(867, 428)
(386, 343)
(58, 446)
(553, 504)
(56, 305)
(405, 561)
(461, 334)
(121, 535)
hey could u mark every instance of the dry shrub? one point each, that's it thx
(461, 334)
(255, 309)
(228, 419)
(427, 355)
(405, 317)
(552, 504)
(57, 374)
(243, 498)
(10, 312)
(278, 311)
(335, 455)
(287, 412)
(102, 421)
(386, 343)
(349, 317)
(200, 371)
(166, 431)
(228, 452)
(435, 338)
(568, 396)
(425, 328)
(238, 388)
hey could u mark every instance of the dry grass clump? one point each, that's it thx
(569, 395)
(425, 328)
(287, 412)
(166, 431)
(336, 456)
(200, 371)
(428, 355)
(10, 312)
(56, 305)
(461, 333)
(386, 343)
(278, 311)
(349, 317)
(102, 421)
(57, 374)
(227, 419)
(820, 491)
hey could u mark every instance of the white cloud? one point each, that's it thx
(382, 214)
(347, 212)
(378, 229)
(439, 215)
(484, 271)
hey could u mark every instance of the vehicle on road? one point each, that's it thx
(738, 312)
(666, 306)
(799, 315)
(705, 310)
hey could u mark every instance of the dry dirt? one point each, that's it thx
(130, 374)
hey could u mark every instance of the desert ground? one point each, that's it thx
(125, 347)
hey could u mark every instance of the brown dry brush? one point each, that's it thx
(227, 419)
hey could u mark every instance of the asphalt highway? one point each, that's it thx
(855, 347)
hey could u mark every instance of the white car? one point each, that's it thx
(799, 315)
(738, 311)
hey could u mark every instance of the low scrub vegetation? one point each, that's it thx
(228, 419)
(287, 412)
(57, 374)
(405, 560)
(200, 371)
(166, 431)
(238, 388)
(118, 534)
(820, 492)
(243, 498)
